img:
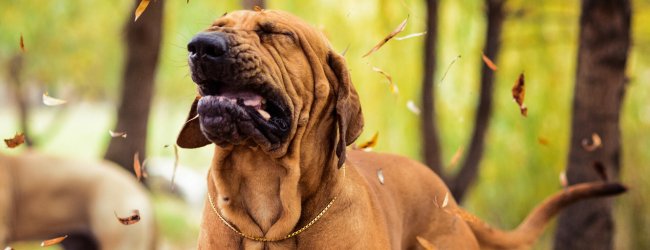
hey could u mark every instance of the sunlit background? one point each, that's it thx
(74, 51)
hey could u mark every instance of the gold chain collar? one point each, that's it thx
(264, 239)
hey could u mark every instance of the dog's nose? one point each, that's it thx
(207, 44)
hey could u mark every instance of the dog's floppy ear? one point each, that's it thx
(191, 135)
(348, 107)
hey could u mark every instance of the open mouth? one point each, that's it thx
(237, 114)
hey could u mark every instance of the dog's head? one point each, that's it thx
(260, 76)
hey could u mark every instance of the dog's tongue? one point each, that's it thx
(250, 99)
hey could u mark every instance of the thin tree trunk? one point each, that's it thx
(249, 4)
(599, 91)
(142, 49)
(15, 72)
(431, 143)
(469, 169)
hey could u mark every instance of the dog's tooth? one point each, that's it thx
(264, 114)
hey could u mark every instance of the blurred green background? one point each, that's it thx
(75, 52)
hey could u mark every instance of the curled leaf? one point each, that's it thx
(22, 43)
(543, 141)
(518, 93)
(380, 176)
(136, 166)
(426, 244)
(367, 146)
(16, 141)
(51, 101)
(393, 87)
(392, 34)
(54, 241)
(595, 143)
(410, 36)
(412, 107)
(456, 157)
(117, 134)
(140, 9)
(489, 63)
(132, 219)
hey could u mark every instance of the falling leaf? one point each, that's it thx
(175, 164)
(448, 68)
(410, 36)
(596, 143)
(166, 146)
(134, 218)
(563, 180)
(345, 50)
(22, 43)
(380, 176)
(456, 157)
(426, 244)
(9, 248)
(16, 141)
(51, 101)
(393, 87)
(54, 241)
(367, 146)
(392, 34)
(257, 8)
(117, 134)
(542, 141)
(600, 169)
(136, 166)
(412, 107)
(445, 202)
(489, 63)
(141, 7)
(518, 93)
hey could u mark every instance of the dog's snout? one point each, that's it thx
(207, 44)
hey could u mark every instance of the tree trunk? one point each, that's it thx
(600, 85)
(469, 169)
(431, 143)
(142, 48)
(249, 4)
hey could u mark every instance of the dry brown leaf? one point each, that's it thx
(53, 241)
(456, 157)
(426, 244)
(393, 86)
(51, 101)
(543, 141)
(518, 93)
(134, 218)
(367, 146)
(175, 164)
(117, 134)
(136, 166)
(412, 107)
(392, 34)
(380, 176)
(22, 43)
(141, 7)
(410, 36)
(257, 8)
(595, 143)
(488, 62)
(17, 140)
(445, 202)
(600, 169)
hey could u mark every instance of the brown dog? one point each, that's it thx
(280, 105)
(43, 196)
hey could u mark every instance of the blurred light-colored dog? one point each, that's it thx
(44, 196)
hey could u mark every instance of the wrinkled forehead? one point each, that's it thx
(271, 21)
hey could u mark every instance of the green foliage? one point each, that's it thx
(79, 44)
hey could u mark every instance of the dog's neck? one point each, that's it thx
(265, 196)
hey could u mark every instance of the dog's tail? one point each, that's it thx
(531, 228)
